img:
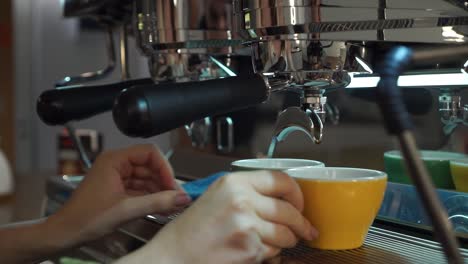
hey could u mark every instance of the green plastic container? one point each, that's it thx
(437, 163)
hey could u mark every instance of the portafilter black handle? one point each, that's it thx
(149, 110)
(72, 103)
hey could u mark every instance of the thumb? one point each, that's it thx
(156, 203)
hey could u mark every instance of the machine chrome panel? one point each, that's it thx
(184, 39)
(334, 20)
(184, 25)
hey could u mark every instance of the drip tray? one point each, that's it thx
(381, 246)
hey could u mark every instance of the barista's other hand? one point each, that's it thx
(244, 217)
(122, 185)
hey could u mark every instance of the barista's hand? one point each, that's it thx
(122, 185)
(243, 218)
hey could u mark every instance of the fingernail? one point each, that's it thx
(313, 234)
(182, 199)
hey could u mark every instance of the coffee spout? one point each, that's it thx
(317, 126)
(295, 119)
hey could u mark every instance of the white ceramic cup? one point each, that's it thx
(273, 164)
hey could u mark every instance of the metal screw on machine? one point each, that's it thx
(451, 110)
(123, 45)
(228, 123)
(332, 113)
(315, 101)
(465, 114)
(79, 147)
(449, 106)
(200, 132)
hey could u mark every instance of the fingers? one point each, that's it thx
(149, 179)
(145, 161)
(270, 252)
(160, 165)
(285, 214)
(275, 202)
(142, 172)
(275, 184)
(276, 235)
(161, 202)
(138, 155)
(137, 184)
(275, 260)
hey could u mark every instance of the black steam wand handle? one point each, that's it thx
(149, 110)
(398, 123)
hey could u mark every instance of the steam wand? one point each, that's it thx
(79, 146)
(96, 75)
(398, 123)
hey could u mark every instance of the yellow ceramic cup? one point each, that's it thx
(340, 202)
(459, 171)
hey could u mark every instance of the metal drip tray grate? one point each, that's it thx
(162, 220)
(381, 246)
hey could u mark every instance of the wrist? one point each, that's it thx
(155, 249)
(162, 250)
(30, 242)
(146, 254)
(58, 234)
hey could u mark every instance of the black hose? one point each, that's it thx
(398, 123)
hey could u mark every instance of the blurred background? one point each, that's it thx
(38, 47)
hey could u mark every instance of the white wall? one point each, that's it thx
(49, 48)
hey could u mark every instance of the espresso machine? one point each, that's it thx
(189, 42)
(309, 64)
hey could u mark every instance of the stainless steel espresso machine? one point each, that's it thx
(292, 79)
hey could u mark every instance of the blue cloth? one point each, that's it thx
(196, 188)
